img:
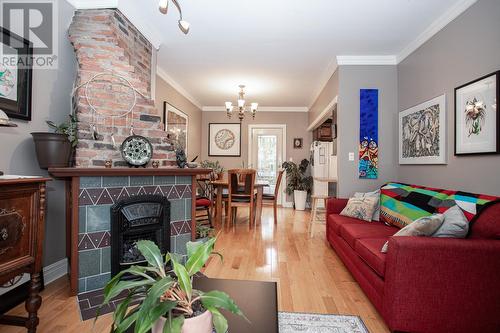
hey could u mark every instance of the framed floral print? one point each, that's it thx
(224, 139)
(477, 122)
(16, 54)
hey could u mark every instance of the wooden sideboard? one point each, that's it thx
(22, 226)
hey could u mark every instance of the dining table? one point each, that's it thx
(221, 184)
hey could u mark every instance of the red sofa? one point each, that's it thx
(424, 284)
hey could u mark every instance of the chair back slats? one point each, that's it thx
(238, 188)
(278, 183)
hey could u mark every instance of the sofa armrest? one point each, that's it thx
(335, 205)
(442, 285)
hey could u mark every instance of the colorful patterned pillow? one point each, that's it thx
(361, 208)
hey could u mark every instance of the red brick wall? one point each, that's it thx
(105, 41)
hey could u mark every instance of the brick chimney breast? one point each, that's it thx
(104, 40)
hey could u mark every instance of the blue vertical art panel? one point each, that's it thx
(368, 134)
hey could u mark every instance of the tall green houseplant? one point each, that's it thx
(299, 183)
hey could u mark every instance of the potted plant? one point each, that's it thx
(168, 302)
(217, 168)
(203, 232)
(298, 182)
(55, 149)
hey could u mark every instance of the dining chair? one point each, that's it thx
(274, 196)
(240, 193)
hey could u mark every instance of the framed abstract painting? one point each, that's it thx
(176, 125)
(422, 133)
(15, 75)
(224, 139)
(368, 134)
(477, 123)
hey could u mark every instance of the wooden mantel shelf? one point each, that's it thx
(89, 172)
(72, 179)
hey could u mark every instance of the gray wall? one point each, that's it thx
(466, 49)
(329, 92)
(165, 92)
(351, 80)
(51, 100)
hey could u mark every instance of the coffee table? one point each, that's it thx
(258, 301)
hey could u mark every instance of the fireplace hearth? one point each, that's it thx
(144, 217)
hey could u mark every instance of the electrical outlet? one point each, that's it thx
(351, 156)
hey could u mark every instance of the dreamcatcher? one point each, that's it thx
(135, 149)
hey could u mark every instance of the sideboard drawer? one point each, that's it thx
(16, 230)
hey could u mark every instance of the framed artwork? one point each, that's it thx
(477, 123)
(297, 143)
(422, 133)
(368, 134)
(15, 75)
(176, 125)
(224, 139)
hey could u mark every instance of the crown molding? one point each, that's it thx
(261, 109)
(324, 114)
(435, 27)
(367, 60)
(167, 78)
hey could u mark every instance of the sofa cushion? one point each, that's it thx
(361, 208)
(369, 250)
(351, 232)
(335, 221)
(487, 224)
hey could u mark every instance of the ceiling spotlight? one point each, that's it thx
(163, 6)
(184, 26)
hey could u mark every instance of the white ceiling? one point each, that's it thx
(283, 50)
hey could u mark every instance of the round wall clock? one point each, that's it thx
(137, 150)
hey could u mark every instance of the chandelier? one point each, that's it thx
(241, 105)
(163, 7)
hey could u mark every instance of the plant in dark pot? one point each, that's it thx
(298, 182)
(167, 300)
(55, 149)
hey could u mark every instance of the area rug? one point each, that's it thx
(295, 322)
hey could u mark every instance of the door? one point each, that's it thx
(267, 153)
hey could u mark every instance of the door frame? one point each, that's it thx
(283, 153)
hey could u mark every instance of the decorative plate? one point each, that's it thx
(137, 150)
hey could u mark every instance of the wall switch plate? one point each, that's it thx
(351, 156)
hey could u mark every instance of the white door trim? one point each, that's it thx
(283, 153)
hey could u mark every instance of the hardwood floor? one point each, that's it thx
(310, 276)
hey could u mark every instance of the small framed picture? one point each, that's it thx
(15, 75)
(297, 143)
(477, 124)
(224, 139)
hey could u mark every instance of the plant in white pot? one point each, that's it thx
(298, 182)
(168, 301)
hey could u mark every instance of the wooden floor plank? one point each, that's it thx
(310, 276)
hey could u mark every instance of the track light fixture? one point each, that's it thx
(163, 7)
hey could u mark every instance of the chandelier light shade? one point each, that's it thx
(163, 7)
(241, 105)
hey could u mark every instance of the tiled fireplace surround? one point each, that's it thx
(98, 194)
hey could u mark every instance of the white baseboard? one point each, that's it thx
(287, 204)
(54, 271)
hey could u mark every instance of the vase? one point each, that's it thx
(53, 150)
(300, 197)
(198, 324)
